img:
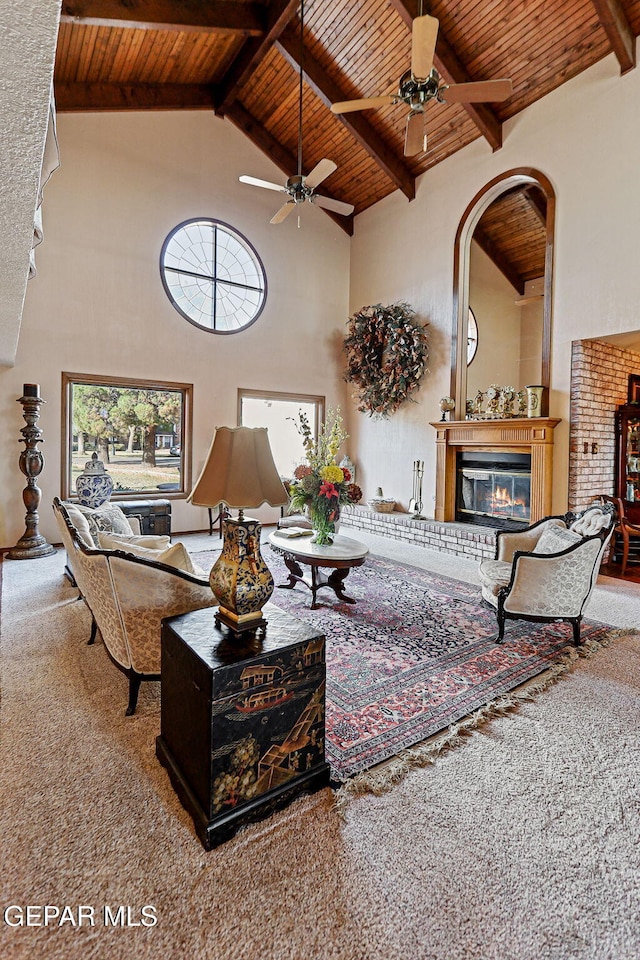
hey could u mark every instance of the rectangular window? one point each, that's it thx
(140, 429)
(279, 413)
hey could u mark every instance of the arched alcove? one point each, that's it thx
(524, 178)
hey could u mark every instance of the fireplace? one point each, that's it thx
(494, 489)
(532, 437)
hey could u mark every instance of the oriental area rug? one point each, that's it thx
(414, 657)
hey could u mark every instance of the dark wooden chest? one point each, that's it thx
(154, 515)
(242, 729)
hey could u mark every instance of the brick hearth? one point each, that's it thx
(457, 538)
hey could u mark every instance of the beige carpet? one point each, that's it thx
(522, 844)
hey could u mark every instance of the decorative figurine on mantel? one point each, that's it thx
(477, 404)
(31, 544)
(505, 402)
(493, 399)
(94, 485)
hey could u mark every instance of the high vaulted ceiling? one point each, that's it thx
(241, 59)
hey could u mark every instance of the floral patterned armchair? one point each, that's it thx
(546, 572)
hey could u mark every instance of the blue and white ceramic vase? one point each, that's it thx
(94, 485)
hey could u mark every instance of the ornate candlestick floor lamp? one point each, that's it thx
(32, 543)
(239, 471)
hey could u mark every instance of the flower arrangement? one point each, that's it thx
(320, 486)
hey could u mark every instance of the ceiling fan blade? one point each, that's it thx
(415, 139)
(254, 182)
(337, 206)
(370, 103)
(320, 172)
(283, 212)
(424, 33)
(484, 91)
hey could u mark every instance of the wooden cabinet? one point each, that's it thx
(242, 729)
(628, 459)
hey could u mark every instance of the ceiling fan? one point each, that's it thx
(422, 83)
(298, 187)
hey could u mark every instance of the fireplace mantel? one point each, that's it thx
(518, 435)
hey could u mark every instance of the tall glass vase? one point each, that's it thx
(324, 515)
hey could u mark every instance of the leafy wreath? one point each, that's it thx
(386, 354)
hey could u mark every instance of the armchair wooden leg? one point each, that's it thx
(135, 679)
(94, 630)
(576, 631)
(501, 619)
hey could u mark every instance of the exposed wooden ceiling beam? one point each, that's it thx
(616, 25)
(538, 203)
(94, 97)
(451, 70)
(504, 266)
(188, 16)
(286, 162)
(357, 125)
(253, 51)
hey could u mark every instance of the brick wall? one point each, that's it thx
(464, 540)
(599, 381)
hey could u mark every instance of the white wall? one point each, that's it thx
(98, 306)
(586, 138)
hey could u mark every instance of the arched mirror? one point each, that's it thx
(503, 278)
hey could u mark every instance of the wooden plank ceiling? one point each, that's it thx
(241, 58)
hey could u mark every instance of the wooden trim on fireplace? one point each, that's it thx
(518, 435)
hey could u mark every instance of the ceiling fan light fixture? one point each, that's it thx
(422, 83)
(299, 187)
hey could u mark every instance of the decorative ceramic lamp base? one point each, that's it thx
(240, 578)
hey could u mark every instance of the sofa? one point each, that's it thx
(129, 583)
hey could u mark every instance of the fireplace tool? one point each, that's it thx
(415, 504)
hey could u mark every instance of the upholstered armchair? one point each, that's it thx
(128, 596)
(546, 572)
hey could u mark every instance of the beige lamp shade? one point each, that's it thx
(239, 471)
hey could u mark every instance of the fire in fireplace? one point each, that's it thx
(494, 489)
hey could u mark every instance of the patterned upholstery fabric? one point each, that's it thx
(146, 594)
(80, 522)
(108, 518)
(494, 574)
(548, 586)
(71, 549)
(510, 541)
(555, 539)
(129, 597)
(119, 541)
(555, 574)
(103, 603)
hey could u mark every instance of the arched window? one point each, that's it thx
(472, 336)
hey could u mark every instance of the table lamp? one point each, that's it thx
(239, 471)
